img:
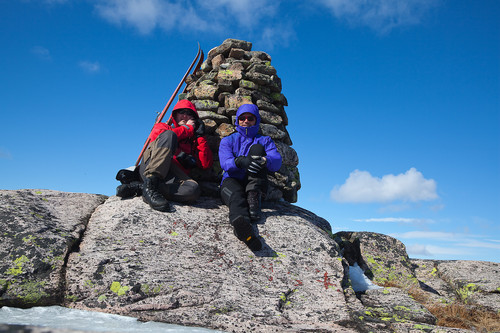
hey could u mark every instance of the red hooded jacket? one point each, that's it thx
(187, 142)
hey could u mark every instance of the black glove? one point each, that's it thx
(249, 164)
(242, 162)
(186, 160)
(199, 128)
(255, 166)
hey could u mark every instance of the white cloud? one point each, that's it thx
(246, 12)
(436, 235)
(197, 15)
(457, 244)
(461, 239)
(41, 52)
(91, 67)
(281, 33)
(361, 186)
(263, 19)
(418, 249)
(431, 250)
(144, 15)
(380, 15)
(256, 17)
(485, 244)
(448, 244)
(396, 220)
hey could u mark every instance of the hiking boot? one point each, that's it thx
(152, 196)
(131, 190)
(253, 199)
(244, 232)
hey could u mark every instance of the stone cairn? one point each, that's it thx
(232, 75)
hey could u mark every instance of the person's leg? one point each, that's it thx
(179, 187)
(233, 195)
(154, 168)
(158, 156)
(257, 184)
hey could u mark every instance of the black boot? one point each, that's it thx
(253, 199)
(152, 196)
(131, 190)
(244, 232)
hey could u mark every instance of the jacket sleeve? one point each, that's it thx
(226, 157)
(182, 132)
(158, 129)
(204, 153)
(273, 158)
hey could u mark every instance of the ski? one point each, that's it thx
(198, 65)
(162, 114)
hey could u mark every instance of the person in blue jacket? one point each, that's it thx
(246, 157)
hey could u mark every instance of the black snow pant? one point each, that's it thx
(234, 191)
(175, 184)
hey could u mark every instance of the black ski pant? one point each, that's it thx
(175, 184)
(234, 191)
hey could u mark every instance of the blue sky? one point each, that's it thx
(393, 106)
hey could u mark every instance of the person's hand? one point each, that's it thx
(255, 165)
(251, 165)
(191, 122)
(186, 160)
(199, 128)
(242, 162)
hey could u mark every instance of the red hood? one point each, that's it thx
(182, 104)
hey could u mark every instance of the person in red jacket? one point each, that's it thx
(175, 148)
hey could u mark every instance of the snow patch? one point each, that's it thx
(359, 281)
(64, 318)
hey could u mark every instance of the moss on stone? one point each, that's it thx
(71, 298)
(32, 292)
(118, 289)
(18, 266)
(421, 327)
(466, 291)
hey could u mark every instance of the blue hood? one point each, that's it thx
(250, 132)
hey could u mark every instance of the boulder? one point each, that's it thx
(466, 281)
(186, 267)
(39, 228)
(381, 257)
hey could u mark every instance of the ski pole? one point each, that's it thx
(161, 115)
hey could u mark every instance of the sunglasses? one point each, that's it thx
(187, 112)
(243, 118)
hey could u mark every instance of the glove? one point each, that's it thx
(199, 128)
(242, 162)
(186, 160)
(255, 165)
(249, 164)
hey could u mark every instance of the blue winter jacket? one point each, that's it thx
(238, 144)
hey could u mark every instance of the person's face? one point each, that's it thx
(246, 119)
(182, 119)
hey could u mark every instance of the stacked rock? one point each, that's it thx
(233, 75)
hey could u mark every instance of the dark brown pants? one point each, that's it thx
(175, 185)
